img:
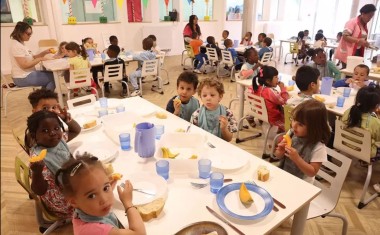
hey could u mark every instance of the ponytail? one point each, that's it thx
(83, 52)
(355, 116)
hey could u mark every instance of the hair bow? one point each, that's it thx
(261, 73)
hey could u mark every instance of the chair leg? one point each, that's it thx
(232, 79)
(5, 103)
(345, 222)
(159, 88)
(265, 155)
(182, 62)
(363, 202)
(127, 87)
(167, 76)
(141, 89)
(238, 140)
(234, 99)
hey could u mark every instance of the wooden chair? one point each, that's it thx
(5, 87)
(267, 59)
(229, 61)
(356, 142)
(258, 110)
(113, 72)
(150, 68)
(20, 140)
(293, 50)
(190, 55)
(79, 78)
(47, 221)
(83, 100)
(325, 203)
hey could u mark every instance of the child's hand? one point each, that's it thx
(177, 107)
(125, 194)
(37, 167)
(281, 85)
(281, 147)
(223, 121)
(63, 114)
(350, 80)
(291, 153)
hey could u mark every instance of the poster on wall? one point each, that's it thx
(5, 12)
(134, 11)
(90, 9)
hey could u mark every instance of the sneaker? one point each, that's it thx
(197, 71)
(377, 187)
(136, 93)
(124, 93)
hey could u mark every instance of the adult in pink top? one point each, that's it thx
(355, 34)
(191, 27)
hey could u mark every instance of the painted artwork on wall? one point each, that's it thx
(5, 12)
(234, 10)
(134, 10)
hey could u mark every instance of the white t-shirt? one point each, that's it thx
(319, 154)
(18, 49)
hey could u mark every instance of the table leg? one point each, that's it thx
(300, 220)
(58, 88)
(280, 51)
(241, 89)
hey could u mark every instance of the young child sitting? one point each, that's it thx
(113, 53)
(260, 39)
(89, 189)
(229, 47)
(264, 85)
(362, 114)
(309, 134)
(247, 39)
(45, 131)
(302, 47)
(89, 43)
(184, 104)
(320, 41)
(326, 68)
(115, 41)
(62, 52)
(307, 80)
(265, 47)
(147, 54)
(212, 44)
(252, 65)
(196, 43)
(212, 116)
(156, 49)
(359, 78)
(225, 35)
(331, 53)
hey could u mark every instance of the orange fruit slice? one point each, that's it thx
(40, 156)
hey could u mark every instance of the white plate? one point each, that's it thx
(104, 153)
(224, 159)
(328, 99)
(352, 93)
(149, 182)
(82, 119)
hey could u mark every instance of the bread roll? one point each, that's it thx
(319, 98)
(161, 115)
(89, 124)
(151, 210)
(263, 174)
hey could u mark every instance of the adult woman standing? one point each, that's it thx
(355, 33)
(23, 61)
(191, 27)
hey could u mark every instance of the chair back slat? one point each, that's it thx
(227, 58)
(80, 78)
(212, 55)
(265, 60)
(257, 106)
(293, 47)
(113, 72)
(82, 100)
(150, 67)
(354, 141)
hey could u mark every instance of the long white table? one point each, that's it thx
(185, 204)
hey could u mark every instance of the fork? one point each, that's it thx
(210, 145)
(202, 185)
(274, 199)
(138, 190)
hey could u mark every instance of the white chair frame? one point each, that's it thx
(72, 103)
(8, 90)
(190, 55)
(267, 59)
(79, 78)
(325, 203)
(113, 72)
(150, 68)
(162, 61)
(212, 57)
(229, 61)
(356, 142)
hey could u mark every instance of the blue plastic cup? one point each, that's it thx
(160, 129)
(346, 92)
(103, 102)
(103, 112)
(204, 168)
(291, 83)
(162, 168)
(120, 108)
(103, 55)
(125, 141)
(216, 181)
(340, 101)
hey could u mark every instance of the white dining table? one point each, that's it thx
(185, 204)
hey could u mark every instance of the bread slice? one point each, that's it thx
(161, 115)
(89, 124)
(263, 174)
(151, 210)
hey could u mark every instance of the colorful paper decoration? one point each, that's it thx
(134, 10)
(72, 19)
(25, 5)
(207, 17)
(64, 1)
(94, 3)
(167, 6)
(120, 3)
(190, 1)
(102, 19)
(145, 3)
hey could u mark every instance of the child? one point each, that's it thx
(156, 49)
(310, 132)
(225, 35)
(212, 44)
(212, 116)
(115, 41)
(307, 80)
(78, 60)
(113, 53)
(319, 41)
(247, 40)
(260, 39)
(326, 68)
(302, 46)
(338, 37)
(358, 80)
(195, 44)
(264, 85)
(306, 36)
(89, 189)
(147, 54)
(265, 47)
(187, 83)
(362, 114)
(62, 52)
(89, 43)
(45, 131)
(229, 47)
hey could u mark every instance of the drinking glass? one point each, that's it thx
(103, 102)
(216, 181)
(160, 129)
(120, 108)
(162, 168)
(346, 92)
(340, 101)
(204, 167)
(103, 112)
(125, 141)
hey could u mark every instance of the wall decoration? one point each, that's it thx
(72, 19)
(5, 12)
(134, 10)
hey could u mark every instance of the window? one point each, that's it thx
(85, 11)
(235, 9)
(199, 8)
(260, 9)
(164, 10)
(291, 9)
(13, 11)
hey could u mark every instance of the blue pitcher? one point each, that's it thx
(145, 144)
(326, 85)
